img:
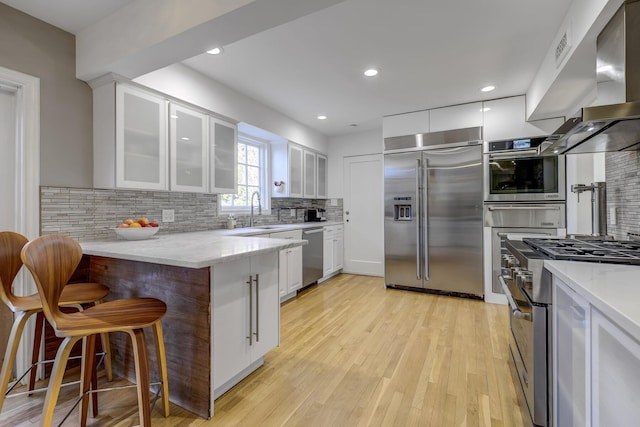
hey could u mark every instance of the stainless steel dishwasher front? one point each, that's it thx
(312, 255)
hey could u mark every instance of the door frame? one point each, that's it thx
(27, 187)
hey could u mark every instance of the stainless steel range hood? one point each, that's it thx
(614, 124)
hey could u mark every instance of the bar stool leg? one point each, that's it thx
(162, 366)
(106, 347)
(12, 348)
(87, 375)
(35, 352)
(57, 374)
(142, 375)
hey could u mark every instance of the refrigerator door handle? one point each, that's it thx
(425, 218)
(418, 221)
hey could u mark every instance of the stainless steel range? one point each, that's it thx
(527, 286)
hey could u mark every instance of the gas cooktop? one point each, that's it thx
(611, 251)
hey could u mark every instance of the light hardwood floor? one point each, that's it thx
(353, 353)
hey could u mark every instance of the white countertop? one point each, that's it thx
(273, 228)
(613, 289)
(193, 250)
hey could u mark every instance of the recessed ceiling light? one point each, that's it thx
(184, 138)
(322, 117)
(488, 88)
(215, 51)
(371, 72)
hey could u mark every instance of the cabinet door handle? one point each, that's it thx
(257, 333)
(250, 283)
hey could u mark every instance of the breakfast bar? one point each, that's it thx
(222, 298)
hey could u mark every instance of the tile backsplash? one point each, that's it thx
(623, 193)
(88, 214)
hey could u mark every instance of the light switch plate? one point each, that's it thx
(168, 215)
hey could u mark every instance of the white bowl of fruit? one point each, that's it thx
(140, 229)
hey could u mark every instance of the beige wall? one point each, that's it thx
(36, 48)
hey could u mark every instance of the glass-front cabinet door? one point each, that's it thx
(141, 139)
(321, 169)
(189, 149)
(223, 157)
(309, 174)
(295, 171)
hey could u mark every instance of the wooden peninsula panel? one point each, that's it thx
(187, 328)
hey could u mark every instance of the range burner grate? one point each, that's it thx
(611, 251)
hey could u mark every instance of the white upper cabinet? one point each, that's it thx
(455, 117)
(405, 124)
(322, 177)
(188, 149)
(287, 168)
(506, 118)
(145, 140)
(223, 156)
(140, 141)
(309, 181)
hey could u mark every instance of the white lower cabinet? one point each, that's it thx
(333, 250)
(615, 370)
(246, 317)
(570, 356)
(290, 265)
(596, 365)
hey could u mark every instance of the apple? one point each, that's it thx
(128, 221)
(153, 224)
(143, 221)
(135, 225)
(123, 225)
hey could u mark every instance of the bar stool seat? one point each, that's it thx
(24, 307)
(52, 260)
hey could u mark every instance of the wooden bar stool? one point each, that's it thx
(24, 307)
(52, 260)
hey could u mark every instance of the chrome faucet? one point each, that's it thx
(255, 193)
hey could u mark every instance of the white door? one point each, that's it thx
(19, 179)
(363, 215)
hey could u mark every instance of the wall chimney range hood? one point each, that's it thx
(614, 124)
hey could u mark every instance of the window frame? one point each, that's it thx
(265, 178)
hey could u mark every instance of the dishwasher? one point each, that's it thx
(312, 255)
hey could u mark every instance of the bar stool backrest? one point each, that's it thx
(10, 263)
(52, 261)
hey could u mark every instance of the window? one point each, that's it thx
(252, 170)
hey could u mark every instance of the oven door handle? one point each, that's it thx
(523, 208)
(513, 155)
(512, 304)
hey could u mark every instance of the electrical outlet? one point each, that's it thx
(292, 212)
(168, 215)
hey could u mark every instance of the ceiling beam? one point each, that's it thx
(150, 34)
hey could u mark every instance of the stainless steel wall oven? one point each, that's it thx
(514, 173)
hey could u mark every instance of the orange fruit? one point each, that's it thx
(135, 225)
(143, 221)
(128, 221)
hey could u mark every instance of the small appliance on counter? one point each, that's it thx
(315, 215)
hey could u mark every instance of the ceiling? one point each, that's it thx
(430, 54)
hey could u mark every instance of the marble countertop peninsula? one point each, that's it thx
(192, 250)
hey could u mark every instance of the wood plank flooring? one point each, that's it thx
(353, 353)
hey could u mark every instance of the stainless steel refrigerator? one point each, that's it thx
(433, 218)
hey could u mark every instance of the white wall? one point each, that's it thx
(369, 142)
(189, 85)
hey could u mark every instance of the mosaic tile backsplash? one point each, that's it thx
(623, 193)
(88, 214)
